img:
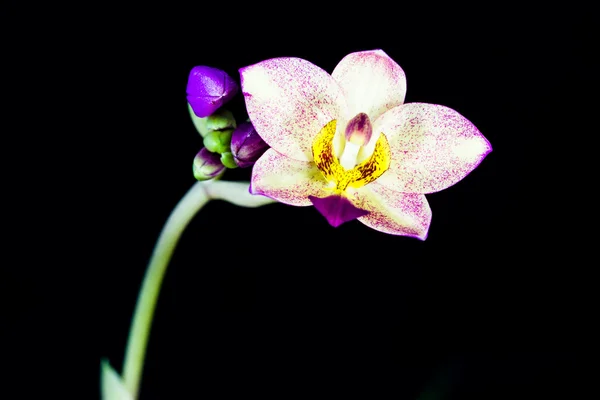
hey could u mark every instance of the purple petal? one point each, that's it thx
(208, 89)
(337, 209)
(246, 145)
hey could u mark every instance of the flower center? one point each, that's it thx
(345, 171)
(358, 132)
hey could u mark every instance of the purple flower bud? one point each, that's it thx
(207, 165)
(208, 89)
(246, 145)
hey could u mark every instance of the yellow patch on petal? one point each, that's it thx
(338, 176)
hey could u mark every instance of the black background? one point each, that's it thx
(274, 302)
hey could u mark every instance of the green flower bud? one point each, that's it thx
(221, 119)
(228, 160)
(218, 141)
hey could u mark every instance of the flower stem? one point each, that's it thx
(200, 193)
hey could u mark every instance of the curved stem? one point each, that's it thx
(201, 192)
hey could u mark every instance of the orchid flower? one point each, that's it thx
(347, 144)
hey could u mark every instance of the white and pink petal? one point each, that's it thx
(289, 100)
(432, 147)
(371, 81)
(395, 213)
(286, 180)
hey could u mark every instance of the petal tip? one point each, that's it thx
(337, 209)
(485, 149)
(489, 148)
(423, 236)
(242, 71)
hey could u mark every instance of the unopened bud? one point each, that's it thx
(219, 120)
(218, 141)
(207, 165)
(227, 160)
(247, 145)
(208, 89)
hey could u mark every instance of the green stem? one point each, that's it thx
(201, 192)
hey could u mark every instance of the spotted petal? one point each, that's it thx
(286, 180)
(371, 81)
(289, 100)
(405, 214)
(432, 146)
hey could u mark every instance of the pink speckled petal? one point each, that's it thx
(286, 180)
(433, 147)
(371, 81)
(289, 100)
(404, 214)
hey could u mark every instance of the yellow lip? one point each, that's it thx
(361, 174)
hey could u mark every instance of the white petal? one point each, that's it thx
(371, 81)
(289, 100)
(286, 180)
(432, 147)
(404, 214)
